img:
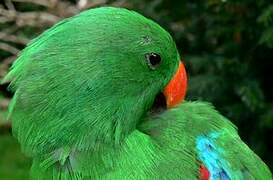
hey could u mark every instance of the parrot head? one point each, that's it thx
(91, 78)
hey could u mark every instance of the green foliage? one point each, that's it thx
(266, 19)
(13, 164)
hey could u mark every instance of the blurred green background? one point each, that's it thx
(227, 46)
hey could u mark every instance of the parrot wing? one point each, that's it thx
(226, 157)
(197, 130)
(191, 141)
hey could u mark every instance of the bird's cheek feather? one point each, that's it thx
(176, 89)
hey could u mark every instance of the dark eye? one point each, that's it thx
(153, 60)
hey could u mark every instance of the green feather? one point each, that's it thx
(83, 90)
(71, 80)
(177, 129)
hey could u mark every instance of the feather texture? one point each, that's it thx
(198, 130)
(82, 93)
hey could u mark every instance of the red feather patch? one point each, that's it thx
(204, 173)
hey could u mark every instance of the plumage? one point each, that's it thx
(83, 99)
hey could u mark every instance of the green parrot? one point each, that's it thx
(101, 96)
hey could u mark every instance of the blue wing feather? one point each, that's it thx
(210, 155)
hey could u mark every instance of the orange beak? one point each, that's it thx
(175, 91)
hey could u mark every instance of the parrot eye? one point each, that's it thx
(153, 60)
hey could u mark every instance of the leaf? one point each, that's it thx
(267, 37)
(266, 17)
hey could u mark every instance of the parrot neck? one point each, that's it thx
(119, 118)
(115, 121)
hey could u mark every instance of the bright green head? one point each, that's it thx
(89, 79)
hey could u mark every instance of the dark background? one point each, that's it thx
(227, 46)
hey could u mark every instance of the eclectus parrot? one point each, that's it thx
(101, 96)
